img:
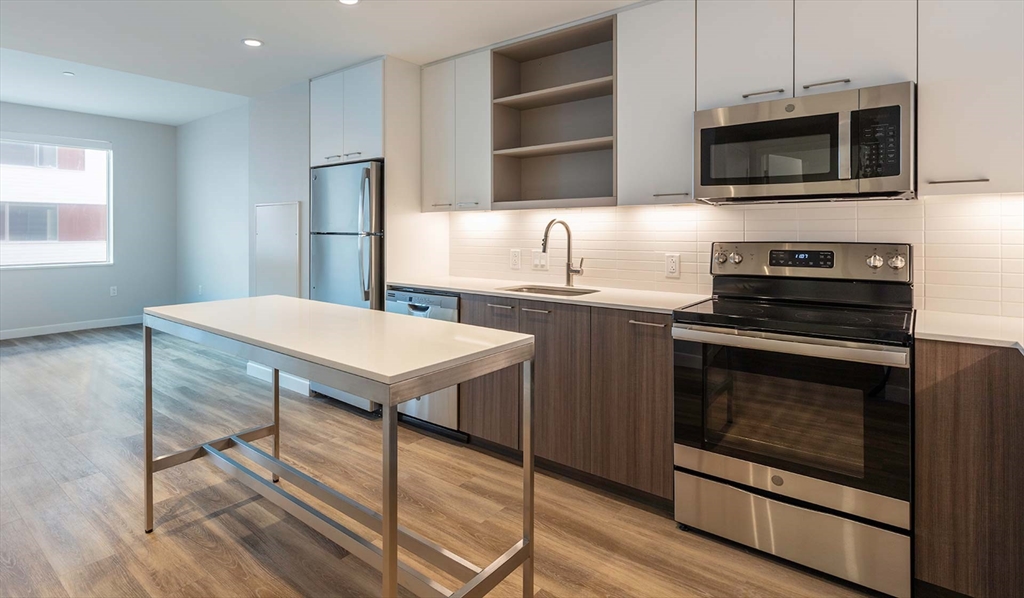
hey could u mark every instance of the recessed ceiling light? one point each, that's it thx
(68, 74)
(253, 43)
(349, 2)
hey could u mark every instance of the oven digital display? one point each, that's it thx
(786, 258)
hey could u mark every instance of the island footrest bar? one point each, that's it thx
(477, 581)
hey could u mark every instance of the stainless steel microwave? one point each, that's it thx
(855, 144)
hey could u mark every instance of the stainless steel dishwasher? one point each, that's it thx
(441, 407)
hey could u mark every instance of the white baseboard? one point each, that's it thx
(293, 383)
(69, 327)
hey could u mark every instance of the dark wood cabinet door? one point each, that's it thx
(631, 388)
(969, 478)
(489, 406)
(562, 380)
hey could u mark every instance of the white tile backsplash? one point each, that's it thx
(968, 250)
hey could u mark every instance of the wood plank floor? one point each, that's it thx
(71, 493)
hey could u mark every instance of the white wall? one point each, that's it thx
(279, 164)
(213, 207)
(144, 238)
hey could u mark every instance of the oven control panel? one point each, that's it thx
(889, 262)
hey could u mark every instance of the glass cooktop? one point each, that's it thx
(889, 326)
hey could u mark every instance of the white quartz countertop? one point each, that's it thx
(387, 348)
(649, 301)
(994, 331)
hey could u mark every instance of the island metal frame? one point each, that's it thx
(478, 581)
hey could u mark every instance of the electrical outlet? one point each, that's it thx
(515, 259)
(540, 260)
(113, 291)
(200, 290)
(672, 265)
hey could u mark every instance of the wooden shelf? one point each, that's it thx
(554, 149)
(565, 202)
(584, 90)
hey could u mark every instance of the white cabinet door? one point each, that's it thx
(656, 98)
(473, 131)
(744, 48)
(326, 119)
(869, 42)
(970, 97)
(437, 127)
(364, 111)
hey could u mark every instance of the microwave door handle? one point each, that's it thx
(845, 146)
(898, 357)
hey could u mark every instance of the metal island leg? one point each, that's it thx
(527, 443)
(389, 510)
(147, 343)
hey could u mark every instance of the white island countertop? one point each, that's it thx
(649, 301)
(383, 347)
(993, 331)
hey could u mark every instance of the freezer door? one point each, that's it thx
(345, 269)
(346, 198)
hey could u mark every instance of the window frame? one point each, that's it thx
(89, 144)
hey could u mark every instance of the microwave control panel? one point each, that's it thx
(877, 136)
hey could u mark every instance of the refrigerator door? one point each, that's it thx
(345, 269)
(346, 198)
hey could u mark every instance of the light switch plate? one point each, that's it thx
(540, 260)
(113, 291)
(515, 259)
(672, 265)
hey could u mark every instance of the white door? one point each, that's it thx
(437, 129)
(364, 112)
(970, 97)
(326, 119)
(655, 103)
(473, 131)
(277, 249)
(744, 51)
(867, 42)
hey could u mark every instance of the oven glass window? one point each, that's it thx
(840, 421)
(795, 150)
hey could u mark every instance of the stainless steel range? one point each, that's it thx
(793, 402)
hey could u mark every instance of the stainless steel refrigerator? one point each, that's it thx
(346, 243)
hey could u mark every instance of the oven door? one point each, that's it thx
(823, 409)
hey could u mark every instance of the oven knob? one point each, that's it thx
(735, 257)
(897, 262)
(722, 257)
(875, 262)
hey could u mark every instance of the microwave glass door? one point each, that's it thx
(844, 422)
(792, 150)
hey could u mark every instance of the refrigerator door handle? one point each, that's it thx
(364, 276)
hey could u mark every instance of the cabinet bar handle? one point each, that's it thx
(468, 203)
(495, 306)
(353, 154)
(833, 82)
(535, 311)
(761, 93)
(439, 205)
(958, 181)
(332, 157)
(652, 325)
(669, 194)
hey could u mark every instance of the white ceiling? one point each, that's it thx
(39, 81)
(199, 43)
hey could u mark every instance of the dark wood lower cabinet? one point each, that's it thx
(969, 479)
(631, 398)
(489, 406)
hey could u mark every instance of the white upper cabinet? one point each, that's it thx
(867, 42)
(437, 118)
(473, 131)
(364, 111)
(346, 115)
(970, 97)
(744, 51)
(326, 119)
(656, 98)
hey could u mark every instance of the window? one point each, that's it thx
(54, 201)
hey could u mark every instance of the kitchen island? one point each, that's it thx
(385, 358)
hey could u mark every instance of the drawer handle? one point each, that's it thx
(651, 324)
(439, 205)
(467, 203)
(950, 181)
(535, 311)
(833, 82)
(669, 194)
(353, 154)
(761, 93)
(496, 306)
(332, 157)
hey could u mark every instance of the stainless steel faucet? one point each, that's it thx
(570, 270)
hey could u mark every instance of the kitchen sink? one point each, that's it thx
(557, 291)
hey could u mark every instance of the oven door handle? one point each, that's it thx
(897, 357)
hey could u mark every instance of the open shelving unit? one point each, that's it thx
(553, 119)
